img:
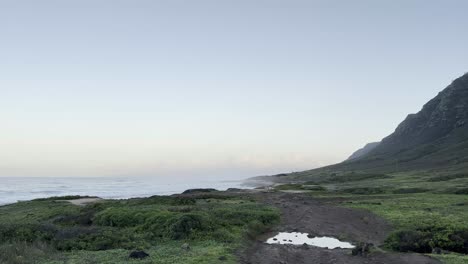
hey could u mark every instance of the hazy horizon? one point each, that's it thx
(214, 88)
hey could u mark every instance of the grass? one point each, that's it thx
(203, 252)
(55, 231)
(452, 258)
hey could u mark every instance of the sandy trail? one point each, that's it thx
(84, 201)
(303, 213)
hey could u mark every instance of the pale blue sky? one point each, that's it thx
(219, 88)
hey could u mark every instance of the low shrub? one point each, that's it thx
(461, 191)
(21, 252)
(181, 227)
(409, 190)
(423, 240)
(364, 190)
(448, 177)
(352, 177)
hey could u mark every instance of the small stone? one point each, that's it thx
(185, 246)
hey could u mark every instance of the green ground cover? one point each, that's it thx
(55, 231)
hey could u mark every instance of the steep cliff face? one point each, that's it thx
(435, 138)
(443, 120)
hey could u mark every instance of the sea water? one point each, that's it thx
(13, 189)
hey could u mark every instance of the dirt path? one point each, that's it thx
(84, 201)
(302, 213)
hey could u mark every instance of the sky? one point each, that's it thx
(220, 88)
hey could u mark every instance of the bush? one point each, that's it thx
(122, 217)
(183, 226)
(255, 228)
(24, 252)
(423, 240)
(21, 232)
(410, 240)
(461, 191)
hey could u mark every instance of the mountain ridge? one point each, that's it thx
(363, 151)
(435, 138)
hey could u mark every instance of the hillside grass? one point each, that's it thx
(56, 231)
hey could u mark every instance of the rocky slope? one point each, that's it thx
(442, 123)
(363, 151)
(434, 139)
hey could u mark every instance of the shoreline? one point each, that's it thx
(26, 189)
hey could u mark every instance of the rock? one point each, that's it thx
(138, 255)
(362, 249)
(437, 250)
(185, 246)
(200, 190)
(310, 236)
(305, 246)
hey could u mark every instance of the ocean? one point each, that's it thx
(13, 189)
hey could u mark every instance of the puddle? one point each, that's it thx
(295, 238)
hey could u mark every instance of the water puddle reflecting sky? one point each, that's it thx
(296, 238)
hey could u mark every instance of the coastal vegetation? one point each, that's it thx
(204, 228)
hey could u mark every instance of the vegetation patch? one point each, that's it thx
(365, 190)
(39, 227)
(422, 221)
(410, 190)
(353, 176)
(451, 258)
(301, 187)
(448, 177)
